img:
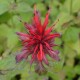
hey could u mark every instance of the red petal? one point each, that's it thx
(52, 36)
(48, 31)
(35, 51)
(46, 21)
(47, 45)
(28, 26)
(55, 35)
(45, 60)
(33, 55)
(39, 56)
(54, 55)
(32, 32)
(21, 56)
(24, 41)
(30, 43)
(40, 53)
(37, 21)
(38, 37)
(23, 36)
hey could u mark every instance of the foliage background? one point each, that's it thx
(68, 13)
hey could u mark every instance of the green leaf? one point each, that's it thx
(7, 63)
(23, 7)
(6, 1)
(5, 17)
(69, 71)
(58, 41)
(15, 24)
(76, 6)
(70, 35)
(3, 8)
(30, 2)
(12, 39)
(63, 18)
(67, 6)
(26, 17)
(41, 7)
(4, 29)
(77, 69)
(9, 34)
(75, 46)
(9, 68)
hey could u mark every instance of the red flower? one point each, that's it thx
(38, 42)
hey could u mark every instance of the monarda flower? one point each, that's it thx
(38, 42)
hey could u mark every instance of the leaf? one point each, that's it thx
(67, 6)
(6, 1)
(12, 39)
(69, 71)
(23, 7)
(5, 17)
(58, 41)
(40, 7)
(70, 35)
(70, 61)
(9, 34)
(54, 10)
(76, 6)
(31, 2)
(76, 46)
(4, 29)
(9, 68)
(68, 51)
(16, 25)
(7, 63)
(63, 18)
(77, 69)
(3, 8)
(26, 17)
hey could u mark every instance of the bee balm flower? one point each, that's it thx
(38, 42)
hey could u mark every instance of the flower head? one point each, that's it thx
(38, 42)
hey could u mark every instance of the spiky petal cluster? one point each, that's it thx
(38, 42)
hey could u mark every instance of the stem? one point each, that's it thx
(71, 6)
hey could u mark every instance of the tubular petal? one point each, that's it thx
(51, 36)
(22, 34)
(45, 60)
(21, 56)
(40, 53)
(46, 21)
(54, 55)
(48, 31)
(47, 45)
(34, 54)
(55, 35)
(37, 20)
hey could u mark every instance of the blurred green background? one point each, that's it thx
(68, 13)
